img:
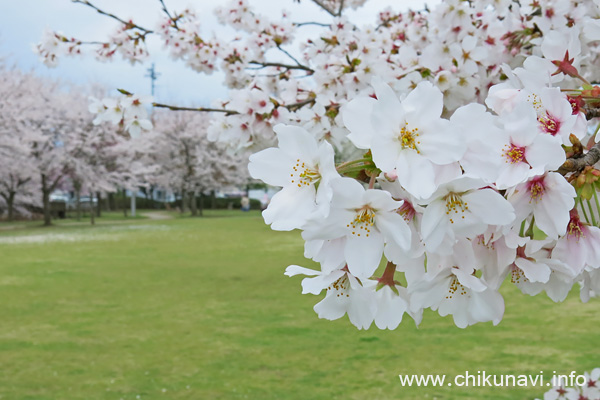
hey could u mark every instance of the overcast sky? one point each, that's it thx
(22, 23)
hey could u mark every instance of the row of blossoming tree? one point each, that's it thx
(454, 146)
(49, 141)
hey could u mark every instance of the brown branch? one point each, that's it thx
(281, 65)
(164, 8)
(324, 7)
(339, 13)
(291, 107)
(81, 42)
(591, 113)
(577, 164)
(128, 24)
(296, 106)
(200, 109)
(310, 23)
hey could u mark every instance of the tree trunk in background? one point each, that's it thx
(193, 204)
(201, 208)
(46, 201)
(213, 199)
(110, 206)
(98, 204)
(10, 204)
(92, 213)
(78, 201)
(183, 200)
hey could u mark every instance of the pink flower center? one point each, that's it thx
(407, 211)
(490, 245)
(536, 189)
(575, 229)
(576, 104)
(514, 154)
(549, 124)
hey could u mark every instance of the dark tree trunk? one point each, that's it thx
(78, 201)
(92, 213)
(10, 204)
(201, 208)
(98, 204)
(110, 205)
(193, 204)
(183, 201)
(46, 201)
(213, 199)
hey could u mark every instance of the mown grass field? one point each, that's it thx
(200, 309)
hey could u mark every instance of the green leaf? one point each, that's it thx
(587, 191)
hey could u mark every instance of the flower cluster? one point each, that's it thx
(461, 49)
(464, 137)
(129, 43)
(590, 390)
(127, 111)
(55, 45)
(459, 205)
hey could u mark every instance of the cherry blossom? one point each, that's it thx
(298, 165)
(549, 197)
(456, 143)
(367, 219)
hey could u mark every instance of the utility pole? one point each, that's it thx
(153, 75)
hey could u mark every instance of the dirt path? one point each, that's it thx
(157, 215)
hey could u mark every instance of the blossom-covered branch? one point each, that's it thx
(445, 142)
(128, 24)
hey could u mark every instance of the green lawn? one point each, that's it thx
(200, 309)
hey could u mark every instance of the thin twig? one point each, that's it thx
(281, 65)
(164, 7)
(289, 55)
(339, 13)
(200, 109)
(129, 24)
(296, 106)
(310, 23)
(80, 42)
(324, 7)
